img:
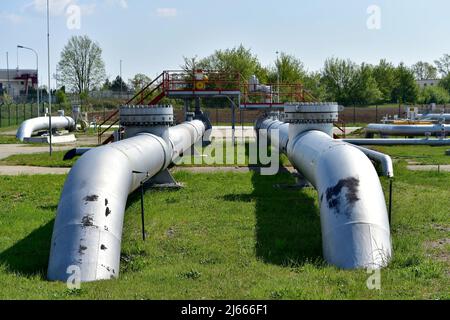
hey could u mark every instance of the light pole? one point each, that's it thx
(121, 80)
(37, 73)
(278, 78)
(49, 88)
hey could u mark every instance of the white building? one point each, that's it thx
(428, 83)
(17, 81)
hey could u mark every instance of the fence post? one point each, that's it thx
(376, 113)
(17, 113)
(24, 117)
(9, 115)
(1, 120)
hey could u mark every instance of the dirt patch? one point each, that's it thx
(439, 250)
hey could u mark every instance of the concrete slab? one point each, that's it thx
(56, 139)
(443, 168)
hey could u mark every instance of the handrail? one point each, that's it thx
(102, 132)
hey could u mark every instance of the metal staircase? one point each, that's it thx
(154, 90)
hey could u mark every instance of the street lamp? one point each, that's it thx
(49, 88)
(37, 73)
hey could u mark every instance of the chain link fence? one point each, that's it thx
(12, 114)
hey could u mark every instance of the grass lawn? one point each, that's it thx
(8, 139)
(418, 154)
(39, 160)
(259, 242)
(43, 159)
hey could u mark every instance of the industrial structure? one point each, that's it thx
(88, 226)
(30, 126)
(18, 82)
(355, 220)
(192, 86)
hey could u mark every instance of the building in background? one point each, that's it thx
(428, 83)
(17, 82)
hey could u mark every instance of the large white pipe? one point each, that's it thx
(407, 130)
(384, 160)
(27, 127)
(435, 116)
(398, 142)
(353, 214)
(88, 227)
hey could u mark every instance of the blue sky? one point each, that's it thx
(152, 36)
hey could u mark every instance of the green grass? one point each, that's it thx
(43, 159)
(259, 242)
(418, 154)
(39, 160)
(7, 139)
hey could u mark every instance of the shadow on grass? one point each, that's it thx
(287, 221)
(29, 256)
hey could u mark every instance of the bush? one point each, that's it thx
(433, 94)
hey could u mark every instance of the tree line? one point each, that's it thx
(82, 70)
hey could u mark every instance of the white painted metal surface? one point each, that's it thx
(353, 214)
(407, 130)
(27, 127)
(88, 227)
(398, 142)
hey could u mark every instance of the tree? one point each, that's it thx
(119, 85)
(106, 85)
(365, 91)
(443, 65)
(289, 68)
(81, 65)
(312, 82)
(445, 83)
(384, 75)
(406, 89)
(339, 78)
(433, 94)
(61, 96)
(237, 60)
(139, 81)
(424, 70)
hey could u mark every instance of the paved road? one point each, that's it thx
(7, 150)
(444, 168)
(27, 170)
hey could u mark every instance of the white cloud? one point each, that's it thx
(11, 18)
(88, 9)
(56, 7)
(166, 12)
(122, 3)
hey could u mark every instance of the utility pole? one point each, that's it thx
(7, 72)
(278, 79)
(37, 74)
(121, 80)
(49, 88)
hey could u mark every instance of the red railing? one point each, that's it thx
(210, 80)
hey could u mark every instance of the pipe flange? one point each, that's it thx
(311, 112)
(145, 116)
